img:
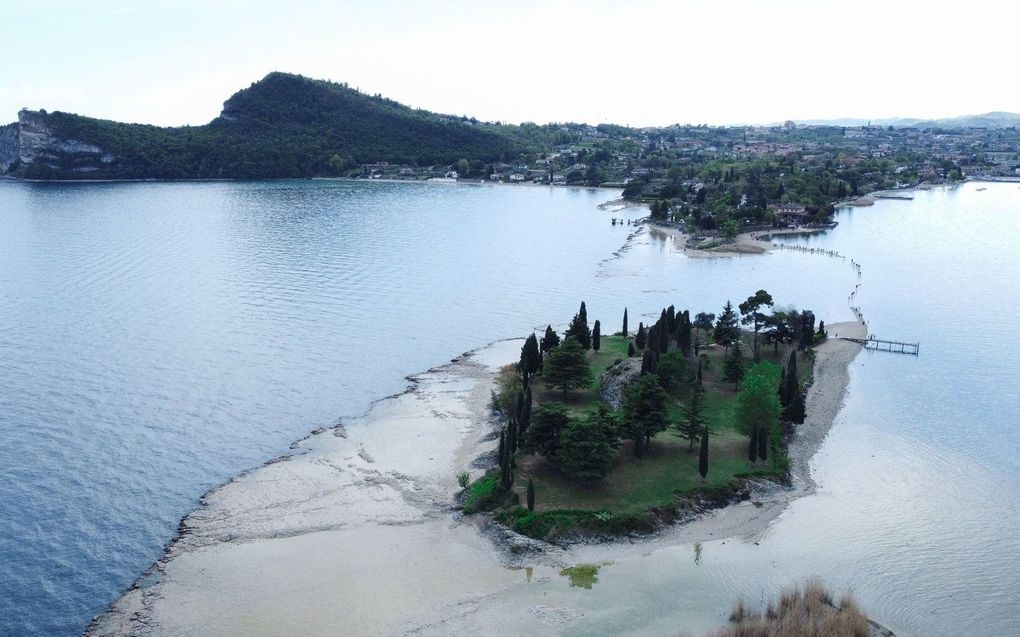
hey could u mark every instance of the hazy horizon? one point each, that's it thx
(649, 63)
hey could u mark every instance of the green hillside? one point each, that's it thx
(282, 126)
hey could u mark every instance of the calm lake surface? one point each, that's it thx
(157, 339)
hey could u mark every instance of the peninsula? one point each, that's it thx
(283, 548)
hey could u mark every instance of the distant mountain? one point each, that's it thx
(987, 120)
(282, 126)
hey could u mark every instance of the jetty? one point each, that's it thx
(882, 345)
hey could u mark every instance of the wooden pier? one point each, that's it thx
(880, 345)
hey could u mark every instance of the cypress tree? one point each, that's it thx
(792, 388)
(639, 339)
(652, 339)
(531, 495)
(763, 443)
(578, 328)
(752, 449)
(550, 340)
(625, 333)
(703, 456)
(700, 361)
(663, 335)
(531, 357)
(670, 319)
(525, 418)
(783, 400)
(649, 362)
(596, 336)
(501, 454)
(630, 349)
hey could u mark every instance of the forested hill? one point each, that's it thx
(282, 126)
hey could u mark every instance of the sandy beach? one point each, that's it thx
(287, 548)
(747, 243)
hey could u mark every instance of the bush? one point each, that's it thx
(484, 494)
(463, 479)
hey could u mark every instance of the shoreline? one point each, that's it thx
(388, 477)
(745, 244)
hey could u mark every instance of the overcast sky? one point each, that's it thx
(635, 62)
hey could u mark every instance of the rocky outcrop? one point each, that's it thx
(9, 148)
(38, 146)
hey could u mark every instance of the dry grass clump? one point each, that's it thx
(800, 611)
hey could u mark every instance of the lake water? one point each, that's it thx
(157, 339)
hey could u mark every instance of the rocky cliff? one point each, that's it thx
(32, 146)
(9, 147)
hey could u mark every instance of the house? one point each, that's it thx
(516, 177)
(790, 213)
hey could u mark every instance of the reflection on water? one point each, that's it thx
(582, 575)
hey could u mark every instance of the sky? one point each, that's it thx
(638, 63)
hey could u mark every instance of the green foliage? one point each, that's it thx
(639, 338)
(566, 367)
(463, 479)
(689, 428)
(733, 369)
(543, 435)
(703, 454)
(671, 369)
(578, 328)
(624, 330)
(484, 494)
(282, 126)
(596, 336)
(644, 409)
(531, 495)
(531, 358)
(758, 403)
(550, 340)
(726, 330)
(508, 386)
(587, 447)
(752, 315)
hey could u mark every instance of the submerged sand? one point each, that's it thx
(358, 531)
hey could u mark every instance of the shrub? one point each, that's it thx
(463, 479)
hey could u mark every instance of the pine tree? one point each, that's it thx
(587, 447)
(733, 370)
(543, 436)
(531, 495)
(566, 367)
(703, 456)
(726, 330)
(752, 449)
(596, 336)
(639, 338)
(644, 410)
(624, 332)
(693, 422)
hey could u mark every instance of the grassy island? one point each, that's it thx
(610, 435)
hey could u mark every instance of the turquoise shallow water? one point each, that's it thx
(156, 339)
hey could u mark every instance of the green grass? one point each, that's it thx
(484, 493)
(612, 349)
(637, 495)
